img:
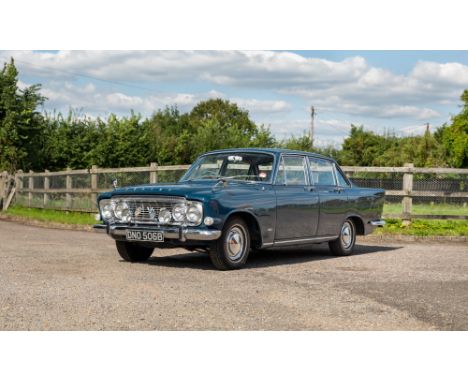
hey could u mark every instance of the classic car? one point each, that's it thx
(230, 202)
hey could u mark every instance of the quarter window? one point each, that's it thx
(340, 178)
(292, 171)
(321, 172)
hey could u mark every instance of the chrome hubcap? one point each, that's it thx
(235, 242)
(347, 235)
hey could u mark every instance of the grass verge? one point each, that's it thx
(64, 217)
(425, 227)
(428, 209)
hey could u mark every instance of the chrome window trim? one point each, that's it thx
(338, 170)
(334, 173)
(306, 169)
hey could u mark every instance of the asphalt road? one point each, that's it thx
(53, 279)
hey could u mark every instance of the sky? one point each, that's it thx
(386, 91)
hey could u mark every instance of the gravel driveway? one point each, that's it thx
(53, 279)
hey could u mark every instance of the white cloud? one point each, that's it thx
(262, 106)
(350, 90)
(99, 102)
(448, 73)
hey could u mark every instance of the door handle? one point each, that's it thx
(310, 188)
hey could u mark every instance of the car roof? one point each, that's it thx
(269, 150)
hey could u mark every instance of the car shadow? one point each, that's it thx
(265, 258)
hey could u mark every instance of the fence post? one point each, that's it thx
(153, 172)
(407, 202)
(94, 183)
(31, 187)
(68, 186)
(46, 188)
(3, 185)
(18, 181)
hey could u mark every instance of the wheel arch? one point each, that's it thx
(358, 223)
(252, 223)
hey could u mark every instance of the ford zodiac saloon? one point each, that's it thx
(230, 202)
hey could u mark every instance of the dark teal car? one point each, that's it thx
(233, 201)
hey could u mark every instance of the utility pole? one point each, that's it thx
(311, 132)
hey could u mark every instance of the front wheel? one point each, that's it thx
(344, 245)
(231, 250)
(133, 252)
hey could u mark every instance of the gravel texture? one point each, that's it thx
(52, 279)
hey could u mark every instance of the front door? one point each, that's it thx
(297, 203)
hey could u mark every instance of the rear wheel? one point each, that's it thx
(231, 250)
(344, 245)
(133, 252)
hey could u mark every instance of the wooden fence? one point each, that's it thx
(408, 192)
(76, 190)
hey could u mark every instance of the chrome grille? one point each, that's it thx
(146, 210)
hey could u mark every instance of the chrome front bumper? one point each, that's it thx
(377, 223)
(117, 232)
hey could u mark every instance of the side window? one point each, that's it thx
(321, 172)
(291, 171)
(341, 179)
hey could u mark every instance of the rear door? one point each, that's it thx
(333, 197)
(297, 203)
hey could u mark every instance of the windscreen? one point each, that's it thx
(256, 167)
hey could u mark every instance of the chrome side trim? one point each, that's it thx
(378, 223)
(306, 240)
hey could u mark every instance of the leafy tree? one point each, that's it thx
(21, 144)
(302, 143)
(454, 137)
(169, 133)
(262, 138)
(361, 148)
(227, 114)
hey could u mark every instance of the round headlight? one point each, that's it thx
(106, 209)
(179, 212)
(164, 216)
(194, 214)
(107, 212)
(122, 212)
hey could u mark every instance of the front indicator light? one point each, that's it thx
(208, 220)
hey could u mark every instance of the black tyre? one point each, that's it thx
(344, 245)
(133, 252)
(232, 249)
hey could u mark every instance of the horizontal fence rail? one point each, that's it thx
(409, 190)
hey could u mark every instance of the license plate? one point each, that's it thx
(139, 235)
